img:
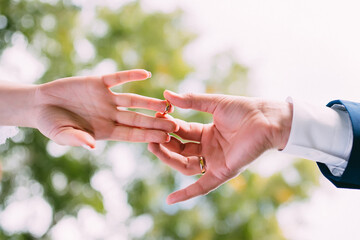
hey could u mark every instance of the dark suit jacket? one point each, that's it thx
(351, 176)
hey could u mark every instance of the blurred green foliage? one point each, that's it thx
(244, 208)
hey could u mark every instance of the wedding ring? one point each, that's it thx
(202, 164)
(167, 108)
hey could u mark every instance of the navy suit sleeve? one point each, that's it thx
(351, 176)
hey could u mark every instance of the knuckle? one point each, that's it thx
(130, 100)
(131, 74)
(189, 99)
(156, 123)
(141, 135)
(118, 77)
(186, 192)
(136, 119)
(130, 134)
(202, 189)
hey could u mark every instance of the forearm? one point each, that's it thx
(17, 104)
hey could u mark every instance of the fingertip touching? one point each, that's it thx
(200, 102)
(181, 100)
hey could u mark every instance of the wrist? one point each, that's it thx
(280, 117)
(17, 104)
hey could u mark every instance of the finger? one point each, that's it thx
(188, 131)
(74, 137)
(184, 149)
(131, 100)
(166, 116)
(204, 185)
(131, 134)
(144, 121)
(113, 79)
(185, 165)
(200, 102)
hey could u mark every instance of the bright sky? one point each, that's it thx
(298, 48)
(305, 49)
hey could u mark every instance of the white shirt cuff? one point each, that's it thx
(321, 134)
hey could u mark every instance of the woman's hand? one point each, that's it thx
(243, 129)
(77, 111)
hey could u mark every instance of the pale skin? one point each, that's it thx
(242, 129)
(77, 111)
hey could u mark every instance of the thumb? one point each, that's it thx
(199, 102)
(74, 137)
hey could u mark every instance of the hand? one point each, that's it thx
(77, 111)
(242, 130)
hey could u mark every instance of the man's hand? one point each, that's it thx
(77, 111)
(242, 130)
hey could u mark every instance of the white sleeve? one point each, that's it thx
(321, 134)
(7, 132)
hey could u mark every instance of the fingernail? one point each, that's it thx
(149, 74)
(168, 138)
(87, 147)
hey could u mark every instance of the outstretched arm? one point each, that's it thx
(77, 111)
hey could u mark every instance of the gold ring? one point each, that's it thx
(202, 164)
(167, 108)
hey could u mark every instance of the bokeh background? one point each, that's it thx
(273, 49)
